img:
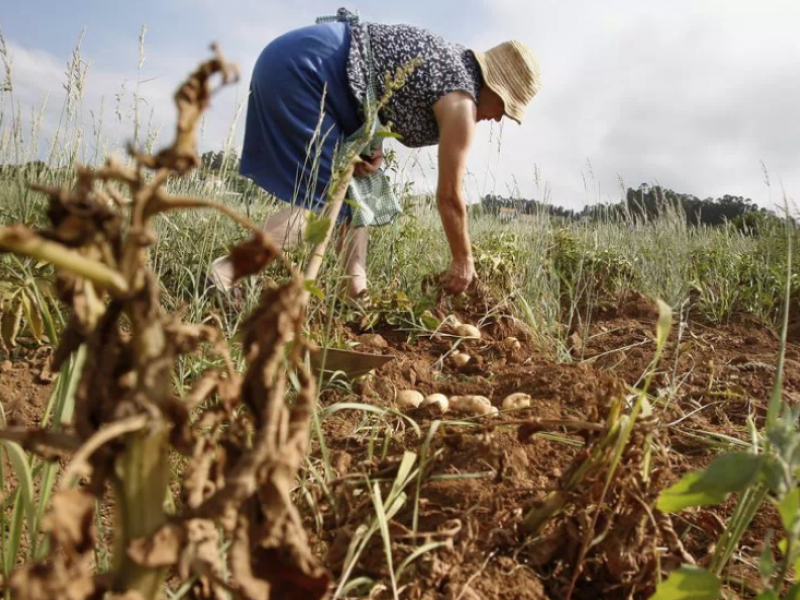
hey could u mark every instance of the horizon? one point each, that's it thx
(693, 96)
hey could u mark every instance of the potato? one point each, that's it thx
(512, 343)
(438, 399)
(471, 405)
(515, 401)
(408, 399)
(468, 331)
(460, 359)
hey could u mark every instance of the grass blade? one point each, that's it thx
(423, 461)
(23, 507)
(424, 549)
(775, 398)
(383, 524)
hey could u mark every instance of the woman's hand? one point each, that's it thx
(458, 276)
(368, 164)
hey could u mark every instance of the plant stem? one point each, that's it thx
(142, 479)
(22, 240)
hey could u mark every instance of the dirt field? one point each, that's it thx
(725, 375)
(485, 478)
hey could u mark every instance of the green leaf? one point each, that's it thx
(688, 583)
(768, 595)
(783, 546)
(725, 474)
(429, 321)
(684, 495)
(788, 508)
(311, 288)
(317, 229)
(24, 505)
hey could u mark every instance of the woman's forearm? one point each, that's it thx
(453, 212)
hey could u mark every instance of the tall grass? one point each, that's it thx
(662, 258)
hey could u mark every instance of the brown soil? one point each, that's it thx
(25, 388)
(484, 479)
(723, 376)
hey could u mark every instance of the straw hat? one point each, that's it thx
(511, 71)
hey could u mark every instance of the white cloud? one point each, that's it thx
(38, 76)
(690, 93)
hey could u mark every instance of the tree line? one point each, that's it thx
(643, 203)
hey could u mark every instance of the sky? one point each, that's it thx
(698, 96)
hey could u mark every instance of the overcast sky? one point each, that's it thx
(693, 95)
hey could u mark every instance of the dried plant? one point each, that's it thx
(242, 465)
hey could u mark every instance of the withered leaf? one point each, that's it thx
(88, 306)
(32, 316)
(11, 322)
(56, 581)
(252, 255)
(70, 520)
(193, 545)
(161, 550)
(68, 574)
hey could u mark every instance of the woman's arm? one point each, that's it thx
(455, 113)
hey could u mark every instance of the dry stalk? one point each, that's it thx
(128, 419)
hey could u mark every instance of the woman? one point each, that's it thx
(290, 144)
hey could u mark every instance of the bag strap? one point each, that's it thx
(345, 16)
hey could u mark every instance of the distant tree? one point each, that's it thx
(648, 202)
(212, 161)
(215, 161)
(492, 203)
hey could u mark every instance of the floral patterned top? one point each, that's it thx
(445, 68)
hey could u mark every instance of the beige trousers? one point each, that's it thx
(287, 229)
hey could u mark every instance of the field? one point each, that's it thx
(647, 350)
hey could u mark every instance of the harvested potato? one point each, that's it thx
(471, 405)
(468, 331)
(460, 359)
(512, 343)
(438, 399)
(408, 399)
(515, 401)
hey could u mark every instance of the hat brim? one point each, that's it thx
(509, 108)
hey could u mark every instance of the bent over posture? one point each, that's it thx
(308, 92)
